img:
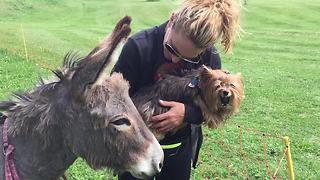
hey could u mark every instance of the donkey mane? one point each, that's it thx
(32, 112)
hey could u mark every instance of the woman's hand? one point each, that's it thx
(170, 120)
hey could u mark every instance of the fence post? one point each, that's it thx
(289, 158)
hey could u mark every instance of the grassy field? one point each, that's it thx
(278, 55)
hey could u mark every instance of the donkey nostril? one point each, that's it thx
(225, 93)
(160, 166)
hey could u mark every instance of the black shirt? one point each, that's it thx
(141, 57)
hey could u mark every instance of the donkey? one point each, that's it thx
(83, 113)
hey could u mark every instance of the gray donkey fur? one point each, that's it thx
(84, 113)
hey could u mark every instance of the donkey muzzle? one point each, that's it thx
(151, 163)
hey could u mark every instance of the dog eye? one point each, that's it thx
(122, 121)
(217, 84)
(232, 85)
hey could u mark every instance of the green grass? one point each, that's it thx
(278, 56)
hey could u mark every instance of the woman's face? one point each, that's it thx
(177, 46)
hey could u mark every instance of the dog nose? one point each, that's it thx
(225, 93)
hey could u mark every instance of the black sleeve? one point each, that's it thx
(129, 64)
(193, 113)
(213, 59)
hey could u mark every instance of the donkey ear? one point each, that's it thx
(92, 66)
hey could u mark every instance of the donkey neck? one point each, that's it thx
(33, 161)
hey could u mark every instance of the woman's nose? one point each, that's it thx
(175, 59)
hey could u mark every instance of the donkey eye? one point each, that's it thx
(122, 121)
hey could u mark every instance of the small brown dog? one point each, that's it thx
(217, 93)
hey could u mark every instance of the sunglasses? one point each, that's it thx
(174, 52)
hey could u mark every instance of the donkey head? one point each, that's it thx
(106, 129)
(92, 113)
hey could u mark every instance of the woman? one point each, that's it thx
(185, 41)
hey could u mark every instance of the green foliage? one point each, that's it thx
(278, 56)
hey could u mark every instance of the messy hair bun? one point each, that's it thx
(207, 21)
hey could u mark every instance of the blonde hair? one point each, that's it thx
(207, 21)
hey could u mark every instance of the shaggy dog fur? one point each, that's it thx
(217, 93)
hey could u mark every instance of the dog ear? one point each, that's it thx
(239, 74)
(205, 74)
(240, 79)
(205, 67)
(225, 71)
(240, 84)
